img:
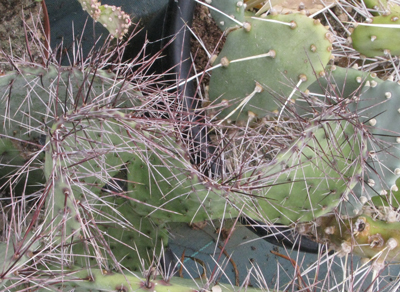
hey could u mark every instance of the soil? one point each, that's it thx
(212, 37)
(14, 14)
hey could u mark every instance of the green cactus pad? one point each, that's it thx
(90, 279)
(169, 188)
(310, 178)
(379, 108)
(111, 17)
(134, 241)
(375, 102)
(300, 51)
(374, 41)
(83, 155)
(338, 84)
(232, 8)
(33, 97)
(363, 236)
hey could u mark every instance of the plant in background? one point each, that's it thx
(110, 167)
(111, 17)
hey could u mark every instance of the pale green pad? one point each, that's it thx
(33, 97)
(378, 41)
(229, 7)
(169, 189)
(82, 157)
(310, 178)
(378, 108)
(301, 52)
(338, 84)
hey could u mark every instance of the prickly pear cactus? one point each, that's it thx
(381, 37)
(33, 97)
(363, 235)
(86, 153)
(111, 17)
(311, 177)
(85, 280)
(378, 109)
(266, 61)
(170, 189)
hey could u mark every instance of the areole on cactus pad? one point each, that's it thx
(265, 60)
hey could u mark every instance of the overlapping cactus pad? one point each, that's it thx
(310, 178)
(170, 189)
(341, 83)
(34, 96)
(376, 104)
(381, 39)
(283, 51)
(84, 170)
(111, 17)
(378, 108)
(363, 235)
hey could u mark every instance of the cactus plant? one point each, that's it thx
(306, 181)
(117, 169)
(111, 17)
(379, 37)
(372, 100)
(363, 235)
(257, 63)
